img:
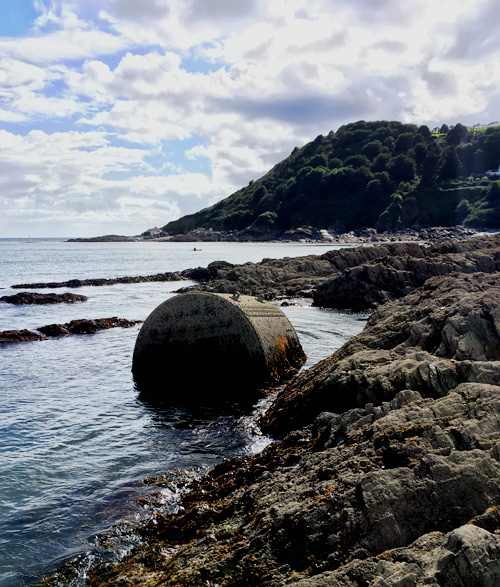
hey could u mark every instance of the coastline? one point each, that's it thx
(304, 234)
(389, 463)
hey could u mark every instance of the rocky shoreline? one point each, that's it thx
(388, 468)
(303, 234)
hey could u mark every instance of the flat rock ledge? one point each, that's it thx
(96, 282)
(82, 326)
(42, 299)
(387, 473)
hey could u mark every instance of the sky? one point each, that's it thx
(120, 115)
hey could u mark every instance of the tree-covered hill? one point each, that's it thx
(381, 174)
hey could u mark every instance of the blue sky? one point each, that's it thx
(120, 115)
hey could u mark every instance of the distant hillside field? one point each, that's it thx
(386, 175)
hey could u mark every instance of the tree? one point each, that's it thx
(462, 211)
(335, 163)
(372, 149)
(493, 194)
(456, 135)
(390, 218)
(319, 161)
(425, 131)
(260, 193)
(402, 168)
(265, 221)
(431, 164)
(356, 161)
(381, 162)
(451, 164)
(405, 141)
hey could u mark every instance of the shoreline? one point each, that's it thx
(306, 234)
(388, 467)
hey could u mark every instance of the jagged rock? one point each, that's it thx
(387, 278)
(288, 276)
(465, 557)
(38, 298)
(456, 319)
(362, 494)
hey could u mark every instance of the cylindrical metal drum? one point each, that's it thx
(211, 347)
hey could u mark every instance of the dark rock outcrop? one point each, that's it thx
(389, 473)
(19, 336)
(86, 326)
(83, 326)
(386, 278)
(38, 298)
(356, 278)
(441, 335)
(296, 276)
(169, 276)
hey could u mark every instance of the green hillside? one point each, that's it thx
(381, 174)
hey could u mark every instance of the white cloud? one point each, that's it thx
(243, 81)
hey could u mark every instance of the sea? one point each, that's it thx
(76, 440)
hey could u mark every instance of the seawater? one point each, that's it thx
(75, 439)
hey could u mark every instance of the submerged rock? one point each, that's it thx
(96, 282)
(86, 326)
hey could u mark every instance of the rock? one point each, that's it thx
(454, 318)
(37, 298)
(387, 278)
(19, 336)
(109, 238)
(461, 558)
(83, 326)
(54, 330)
(99, 282)
(388, 472)
(289, 276)
(86, 326)
(407, 488)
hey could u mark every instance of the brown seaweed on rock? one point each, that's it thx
(82, 326)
